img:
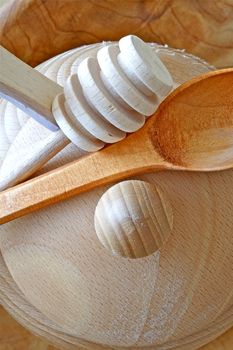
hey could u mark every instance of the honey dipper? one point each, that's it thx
(107, 98)
(191, 130)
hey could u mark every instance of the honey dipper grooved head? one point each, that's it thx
(111, 94)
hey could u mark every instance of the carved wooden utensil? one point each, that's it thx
(105, 98)
(182, 284)
(191, 130)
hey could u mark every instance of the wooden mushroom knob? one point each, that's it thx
(133, 219)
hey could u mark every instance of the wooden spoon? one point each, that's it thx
(191, 130)
(107, 97)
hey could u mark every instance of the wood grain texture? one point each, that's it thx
(30, 160)
(10, 293)
(28, 89)
(191, 130)
(14, 301)
(46, 28)
(100, 103)
(133, 219)
(193, 258)
(15, 337)
(45, 143)
(222, 343)
(161, 302)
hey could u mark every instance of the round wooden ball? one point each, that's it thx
(133, 219)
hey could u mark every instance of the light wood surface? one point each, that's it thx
(15, 337)
(30, 160)
(47, 28)
(133, 219)
(192, 129)
(109, 96)
(28, 89)
(173, 299)
(30, 23)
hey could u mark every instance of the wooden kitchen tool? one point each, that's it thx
(192, 299)
(201, 28)
(107, 97)
(56, 276)
(191, 130)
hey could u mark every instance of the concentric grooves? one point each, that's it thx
(111, 94)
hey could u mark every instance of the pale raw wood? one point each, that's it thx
(63, 275)
(15, 337)
(99, 105)
(102, 100)
(15, 303)
(21, 303)
(108, 61)
(35, 21)
(135, 54)
(100, 92)
(191, 130)
(222, 343)
(72, 128)
(70, 259)
(17, 167)
(35, 30)
(88, 110)
(28, 89)
(133, 219)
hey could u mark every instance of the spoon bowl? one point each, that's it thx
(191, 130)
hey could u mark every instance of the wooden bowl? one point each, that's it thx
(36, 30)
(60, 282)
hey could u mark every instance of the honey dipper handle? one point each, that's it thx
(28, 89)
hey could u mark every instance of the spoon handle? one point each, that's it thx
(28, 89)
(132, 156)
